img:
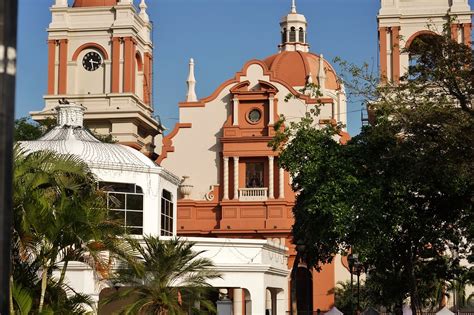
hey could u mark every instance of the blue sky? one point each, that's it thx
(221, 35)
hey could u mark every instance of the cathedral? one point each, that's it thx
(226, 191)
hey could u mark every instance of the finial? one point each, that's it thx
(293, 6)
(143, 13)
(60, 3)
(321, 74)
(191, 95)
(70, 114)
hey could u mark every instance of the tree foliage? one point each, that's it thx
(400, 192)
(165, 277)
(59, 216)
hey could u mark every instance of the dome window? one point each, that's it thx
(283, 36)
(292, 35)
(301, 35)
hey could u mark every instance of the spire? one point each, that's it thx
(322, 74)
(143, 13)
(293, 6)
(191, 95)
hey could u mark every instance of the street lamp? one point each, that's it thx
(351, 259)
(355, 267)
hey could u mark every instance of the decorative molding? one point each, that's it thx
(90, 45)
(168, 141)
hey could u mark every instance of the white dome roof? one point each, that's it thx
(70, 137)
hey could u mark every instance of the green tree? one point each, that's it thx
(166, 277)
(400, 192)
(26, 130)
(59, 216)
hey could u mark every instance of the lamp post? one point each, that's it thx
(358, 269)
(8, 28)
(352, 259)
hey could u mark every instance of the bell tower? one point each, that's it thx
(100, 55)
(401, 21)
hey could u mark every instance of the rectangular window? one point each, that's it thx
(125, 204)
(166, 213)
(254, 174)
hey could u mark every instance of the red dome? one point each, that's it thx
(294, 68)
(94, 3)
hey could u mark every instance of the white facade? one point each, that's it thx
(254, 270)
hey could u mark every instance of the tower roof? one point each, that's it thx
(94, 3)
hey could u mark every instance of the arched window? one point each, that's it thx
(415, 47)
(301, 33)
(167, 208)
(125, 204)
(283, 36)
(292, 35)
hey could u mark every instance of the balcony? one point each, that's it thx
(253, 194)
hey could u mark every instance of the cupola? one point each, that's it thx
(293, 31)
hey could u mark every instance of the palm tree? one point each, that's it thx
(165, 277)
(59, 216)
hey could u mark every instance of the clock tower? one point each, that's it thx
(100, 55)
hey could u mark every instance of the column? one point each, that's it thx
(396, 54)
(62, 77)
(128, 65)
(271, 194)
(115, 65)
(134, 66)
(281, 183)
(467, 34)
(226, 178)
(454, 32)
(383, 52)
(236, 177)
(271, 109)
(273, 293)
(51, 65)
(237, 302)
(235, 114)
(146, 78)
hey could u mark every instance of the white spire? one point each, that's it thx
(60, 3)
(191, 95)
(293, 6)
(321, 74)
(143, 13)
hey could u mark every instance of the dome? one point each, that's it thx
(294, 67)
(70, 137)
(94, 3)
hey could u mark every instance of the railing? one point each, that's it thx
(253, 194)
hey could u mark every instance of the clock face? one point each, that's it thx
(91, 61)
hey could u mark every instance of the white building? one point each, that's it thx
(255, 271)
